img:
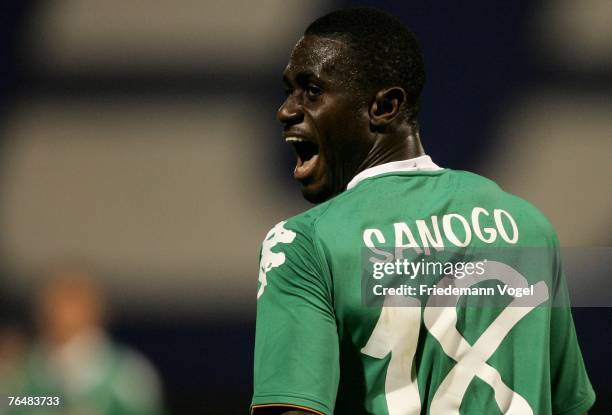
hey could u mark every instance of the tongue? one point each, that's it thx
(303, 169)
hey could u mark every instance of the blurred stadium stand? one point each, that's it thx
(141, 138)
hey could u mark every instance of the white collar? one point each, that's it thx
(423, 163)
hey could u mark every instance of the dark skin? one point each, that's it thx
(350, 132)
(351, 129)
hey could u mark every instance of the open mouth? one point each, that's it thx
(307, 154)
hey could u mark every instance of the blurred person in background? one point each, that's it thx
(75, 359)
(13, 346)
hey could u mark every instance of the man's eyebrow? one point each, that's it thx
(308, 74)
(302, 77)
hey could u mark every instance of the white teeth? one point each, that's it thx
(293, 139)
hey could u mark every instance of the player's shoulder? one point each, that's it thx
(300, 226)
(291, 241)
(489, 192)
(309, 226)
(330, 215)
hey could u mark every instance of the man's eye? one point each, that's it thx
(313, 91)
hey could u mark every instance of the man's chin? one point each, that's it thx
(316, 194)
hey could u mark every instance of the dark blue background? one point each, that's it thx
(206, 364)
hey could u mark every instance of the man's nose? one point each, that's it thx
(290, 112)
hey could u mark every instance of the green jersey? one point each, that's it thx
(322, 345)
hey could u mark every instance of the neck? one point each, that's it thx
(403, 144)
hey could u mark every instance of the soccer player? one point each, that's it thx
(353, 83)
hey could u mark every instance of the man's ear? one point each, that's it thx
(386, 105)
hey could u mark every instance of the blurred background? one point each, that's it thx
(141, 166)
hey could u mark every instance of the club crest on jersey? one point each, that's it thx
(270, 260)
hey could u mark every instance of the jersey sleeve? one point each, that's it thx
(572, 393)
(296, 342)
